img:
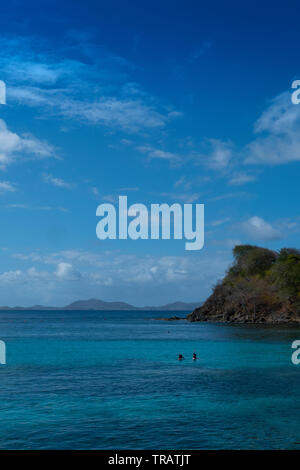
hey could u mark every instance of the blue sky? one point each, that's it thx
(180, 101)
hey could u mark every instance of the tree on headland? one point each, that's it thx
(285, 274)
(262, 285)
(252, 260)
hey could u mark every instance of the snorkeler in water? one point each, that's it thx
(194, 356)
(180, 357)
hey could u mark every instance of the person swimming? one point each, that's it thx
(180, 357)
(194, 356)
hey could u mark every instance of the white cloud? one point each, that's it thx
(59, 182)
(220, 155)
(67, 272)
(280, 117)
(23, 277)
(12, 146)
(230, 196)
(183, 182)
(126, 142)
(7, 187)
(154, 153)
(122, 268)
(258, 228)
(217, 222)
(130, 115)
(112, 198)
(36, 208)
(276, 142)
(73, 274)
(50, 208)
(279, 126)
(34, 72)
(239, 179)
(10, 276)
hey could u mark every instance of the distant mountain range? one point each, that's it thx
(95, 304)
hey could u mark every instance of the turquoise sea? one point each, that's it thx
(111, 380)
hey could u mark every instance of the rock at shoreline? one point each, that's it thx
(170, 318)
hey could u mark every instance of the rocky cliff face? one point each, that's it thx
(262, 286)
(220, 308)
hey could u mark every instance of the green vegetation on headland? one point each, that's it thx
(262, 286)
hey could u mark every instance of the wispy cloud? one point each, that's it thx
(59, 182)
(95, 90)
(36, 208)
(7, 187)
(155, 153)
(120, 267)
(26, 146)
(219, 155)
(200, 50)
(218, 222)
(183, 182)
(279, 127)
(238, 179)
(276, 141)
(238, 194)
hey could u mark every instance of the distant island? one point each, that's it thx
(95, 304)
(262, 286)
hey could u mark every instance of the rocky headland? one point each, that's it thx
(262, 286)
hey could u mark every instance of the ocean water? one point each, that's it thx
(111, 380)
